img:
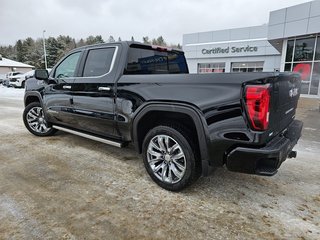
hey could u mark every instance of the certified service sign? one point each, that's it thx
(219, 50)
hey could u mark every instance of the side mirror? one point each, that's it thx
(41, 74)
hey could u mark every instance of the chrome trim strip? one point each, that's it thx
(109, 142)
(288, 111)
(104, 89)
(115, 54)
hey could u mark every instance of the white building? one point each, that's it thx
(289, 42)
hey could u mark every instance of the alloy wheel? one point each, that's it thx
(166, 159)
(36, 121)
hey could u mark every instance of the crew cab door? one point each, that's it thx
(94, 92)
(57, 98)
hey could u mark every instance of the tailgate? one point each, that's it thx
(284, 100)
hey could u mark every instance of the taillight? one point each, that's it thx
(257, 99)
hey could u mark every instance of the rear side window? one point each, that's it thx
(98, 62)
(151, 61)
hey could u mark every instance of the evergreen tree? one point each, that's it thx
(90, 40)
(8, 52)
(154, 42)
(30, 51)
(161, 42)
(178, 46)
(111, 39)
(146, 40)
(36, 55)
(94, 40)
(66, 43)
(21, 51)
(53, 51)
(29, 45)
(80, 43)
(99, 39)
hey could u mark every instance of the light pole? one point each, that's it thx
(44, 49)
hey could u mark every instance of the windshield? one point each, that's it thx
(16, 73)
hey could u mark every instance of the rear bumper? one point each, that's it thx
(265, 160)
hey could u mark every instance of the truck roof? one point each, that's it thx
(129, 43)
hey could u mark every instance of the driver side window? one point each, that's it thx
(67, 68)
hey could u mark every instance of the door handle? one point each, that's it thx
(104, 89)
(66, 87)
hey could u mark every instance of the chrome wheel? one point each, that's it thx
(166, 159)
(36, 121)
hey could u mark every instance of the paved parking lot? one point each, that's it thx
(68, 187)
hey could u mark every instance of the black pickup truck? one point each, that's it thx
(184, 124)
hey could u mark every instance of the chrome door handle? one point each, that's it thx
(104, 89)
(66, 87)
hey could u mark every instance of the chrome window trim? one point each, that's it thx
(111, 66)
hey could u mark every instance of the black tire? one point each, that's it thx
(34, 121)
(176, 135)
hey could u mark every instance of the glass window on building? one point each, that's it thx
(314, 85)
(247, 67)
(289, 54)
(304, 49)
(317, 55)
(211, 67)
(304, 68)
(287, 67)
(303, 56)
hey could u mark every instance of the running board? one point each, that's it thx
(85, 135)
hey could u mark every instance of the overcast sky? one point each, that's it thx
(20, 19)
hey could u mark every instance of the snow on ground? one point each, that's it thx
(16, 93)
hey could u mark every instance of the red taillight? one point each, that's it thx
(257, 103)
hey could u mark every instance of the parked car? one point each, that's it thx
(184, 124)
(20, 79)
(2, 77)
(9, 76)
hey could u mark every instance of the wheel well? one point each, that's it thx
(31, 99)
(156, 118)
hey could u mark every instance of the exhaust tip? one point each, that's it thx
(292, 154)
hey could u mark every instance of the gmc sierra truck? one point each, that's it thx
(184, 125)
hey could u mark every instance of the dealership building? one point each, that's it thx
(289, 42)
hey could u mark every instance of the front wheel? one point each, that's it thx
(169, 157)
(35, 122)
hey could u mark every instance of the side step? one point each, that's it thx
(85, 135)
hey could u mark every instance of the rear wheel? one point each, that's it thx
(35, 122)
(169, 157)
